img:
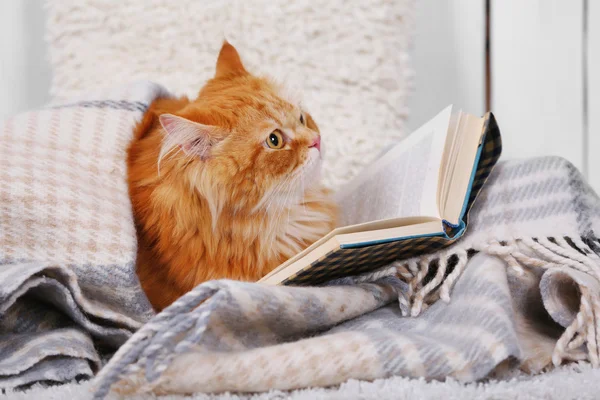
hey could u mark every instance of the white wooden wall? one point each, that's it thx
(537, 77)
(448, 58)
(24, 69)
(593, 92)
(545, 101)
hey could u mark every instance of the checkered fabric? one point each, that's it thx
(67, 239)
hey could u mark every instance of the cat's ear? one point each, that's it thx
(192, 137)
(229, 62)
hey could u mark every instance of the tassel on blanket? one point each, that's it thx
(574, 253)
(432, 278)
(426, 288)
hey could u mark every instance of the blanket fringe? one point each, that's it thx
(432, 278)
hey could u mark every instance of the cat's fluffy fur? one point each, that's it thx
(211, 200)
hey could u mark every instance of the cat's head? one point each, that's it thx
(243, 143)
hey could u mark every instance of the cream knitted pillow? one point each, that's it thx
(350, 58)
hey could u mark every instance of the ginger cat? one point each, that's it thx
(226, 185)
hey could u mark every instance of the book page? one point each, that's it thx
(462, 163)
(450, 149)
(401, 183)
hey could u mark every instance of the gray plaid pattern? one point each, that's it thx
(506, 307)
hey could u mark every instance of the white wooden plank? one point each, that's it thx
(537, 92)
(12, 60)
(448, 58)
(24, 70)
(593, 114)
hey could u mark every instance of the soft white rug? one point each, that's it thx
(577, 381)
(349, 58)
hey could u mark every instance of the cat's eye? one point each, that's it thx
(275, 140)
(302, 121)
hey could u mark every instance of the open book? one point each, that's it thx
(413, 200)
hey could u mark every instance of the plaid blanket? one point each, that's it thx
(67, 240)
(520, 289)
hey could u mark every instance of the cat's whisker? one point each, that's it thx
(287, 202)
(280, 206)
(276, 191)
(302, 194)
(270, 226)
(278, 214)
(292, 196)
(291, 193)
(272, 196)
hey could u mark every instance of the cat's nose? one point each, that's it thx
(316, 143)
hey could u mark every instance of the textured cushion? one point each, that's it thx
(350, 58)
